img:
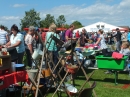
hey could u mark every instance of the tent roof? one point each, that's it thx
(99, 25)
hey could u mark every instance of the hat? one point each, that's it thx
(117, 28)
(31, 28)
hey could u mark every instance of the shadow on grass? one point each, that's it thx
(80, 72)
(109, 80)
(123, 72)
(112, 80)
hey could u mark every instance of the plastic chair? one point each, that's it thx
(87, 92)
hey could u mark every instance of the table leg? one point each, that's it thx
(24, 93)
(116, 77)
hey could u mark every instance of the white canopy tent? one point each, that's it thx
(96, 26)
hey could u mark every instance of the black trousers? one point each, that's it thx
(29, 58)
(20, 58)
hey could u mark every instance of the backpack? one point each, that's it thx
(63, 36)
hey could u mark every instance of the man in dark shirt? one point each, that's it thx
(118, 39)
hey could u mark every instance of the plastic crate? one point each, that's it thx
(110, 63)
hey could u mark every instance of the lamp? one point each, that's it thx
(102, 26)
(98, 26)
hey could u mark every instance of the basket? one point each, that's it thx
(72, 68)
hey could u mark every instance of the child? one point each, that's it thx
(125, 49)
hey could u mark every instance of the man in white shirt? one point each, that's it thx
(3, 36)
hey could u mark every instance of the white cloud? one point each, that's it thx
(83, 4)
(9, 20)
(10, 17)
(19, 5)
(116, 14)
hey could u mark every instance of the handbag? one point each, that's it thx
(117, 55)
(58, 41)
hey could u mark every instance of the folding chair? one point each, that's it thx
(87, 92)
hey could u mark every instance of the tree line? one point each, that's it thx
(33, 18)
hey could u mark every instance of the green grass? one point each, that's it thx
(105, 84)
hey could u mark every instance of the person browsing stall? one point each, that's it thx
(17, 41)
(83, 37)
(51, 46)
(101, 41)
(69, 33)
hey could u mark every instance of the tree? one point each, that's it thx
(66, 26)
(32, 18)
(60, 21)
(77, 24)
(47, 21)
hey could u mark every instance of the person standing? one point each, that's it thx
(17, 41)
(83, 38)
(101, 42)
(69, 33)
(29, 41)
(77, 34)
(51, 46)
(3, 36)
(118, 39)
(43, 35)
(128, 36)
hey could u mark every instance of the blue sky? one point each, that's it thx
(114, 12)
